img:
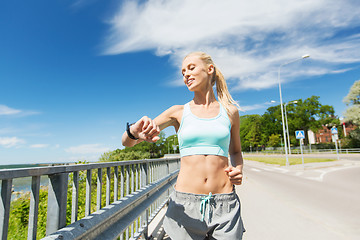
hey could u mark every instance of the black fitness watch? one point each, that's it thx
(129, 133)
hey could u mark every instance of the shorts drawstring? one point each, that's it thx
(204, 201)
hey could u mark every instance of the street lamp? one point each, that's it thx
(281, 105)
(287, 126)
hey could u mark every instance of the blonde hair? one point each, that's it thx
(222, 90)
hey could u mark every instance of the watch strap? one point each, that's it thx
(128, 125)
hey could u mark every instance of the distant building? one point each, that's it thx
(323, 135)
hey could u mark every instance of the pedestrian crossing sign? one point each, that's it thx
(334, 130)
(300, 134)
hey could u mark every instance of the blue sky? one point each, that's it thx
(72, 73)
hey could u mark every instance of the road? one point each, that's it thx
(320, 202)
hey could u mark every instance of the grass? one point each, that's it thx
(282, 162)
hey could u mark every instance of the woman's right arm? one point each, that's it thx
(148, 130)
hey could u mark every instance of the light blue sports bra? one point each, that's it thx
(204, 136)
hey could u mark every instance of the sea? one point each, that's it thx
(22, 185)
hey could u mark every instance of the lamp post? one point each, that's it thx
(281, 105)
(287, 126)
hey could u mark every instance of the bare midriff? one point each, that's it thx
(202, 174)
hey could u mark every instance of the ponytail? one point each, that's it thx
(222, 91)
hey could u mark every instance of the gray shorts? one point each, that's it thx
(199, 216)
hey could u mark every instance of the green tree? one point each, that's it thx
(271, 122)
(250, 131)
(274, 140)
(352, 100)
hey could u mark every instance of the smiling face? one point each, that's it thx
(196, 73)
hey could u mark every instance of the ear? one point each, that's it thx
(211, 69)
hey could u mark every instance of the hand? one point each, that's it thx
(235, 175)
(146, 129)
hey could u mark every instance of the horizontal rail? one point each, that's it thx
(38, 171)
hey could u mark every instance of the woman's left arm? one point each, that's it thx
(235, 170)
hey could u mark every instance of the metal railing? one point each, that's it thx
(140, 188)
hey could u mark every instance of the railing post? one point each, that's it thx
(75, 197)
(5, 200)
(133, 176)
(122, 192)
(88, 193)
(99, 189)
(116, 183)
(127, 180)
(108, 184)
(167, 173)
(34, 207)
(57, 197)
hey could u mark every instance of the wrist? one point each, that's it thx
(130, 133)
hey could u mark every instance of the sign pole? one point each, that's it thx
(335, 138)
(337, 150)
(300, 134)
(301, 150)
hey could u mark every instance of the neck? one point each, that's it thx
(204, 98)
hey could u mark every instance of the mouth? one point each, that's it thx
(190, 81)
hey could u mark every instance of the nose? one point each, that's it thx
(186, 74)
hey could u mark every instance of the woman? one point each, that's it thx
(204, 204)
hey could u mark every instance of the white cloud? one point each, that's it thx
(247, 39)
(256, 106)
(39, 146)
(9, 142)
(88, 149)
(5, 110)
(77, 4)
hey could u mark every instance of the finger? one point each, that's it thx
(155, 139)
(154, 131)
(146, 123)
(234, 172)
(236, 179)
(149, 127)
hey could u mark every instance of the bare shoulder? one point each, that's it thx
(174, 111)
(170, 117)
(233, 114)
(233, 111)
